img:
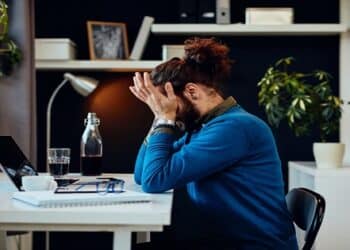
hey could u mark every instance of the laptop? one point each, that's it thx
(13, 163)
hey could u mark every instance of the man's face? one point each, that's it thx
(186, 112)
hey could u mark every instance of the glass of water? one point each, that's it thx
(58, 159)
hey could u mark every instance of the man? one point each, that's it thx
(227, 159)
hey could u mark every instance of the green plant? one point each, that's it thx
(3, 20)
(10, 54)
(305, 100)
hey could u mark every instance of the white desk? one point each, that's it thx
(121, 219)
(334, 186)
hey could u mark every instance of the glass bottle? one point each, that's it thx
(91, 147)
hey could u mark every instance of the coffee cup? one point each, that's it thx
(38, 183)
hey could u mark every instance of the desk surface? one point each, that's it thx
(157, 213)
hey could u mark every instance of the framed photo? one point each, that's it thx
(107, 40)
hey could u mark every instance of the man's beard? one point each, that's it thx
(189, 115)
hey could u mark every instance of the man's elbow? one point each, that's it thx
(148, 185)
(137, 179)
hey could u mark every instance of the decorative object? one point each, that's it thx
(170, 51)
(306, 101)
(10, 54)
(223, 11)
(55, 49)
(141, 39)
(107, 40)
(83, 85)
(269, 16)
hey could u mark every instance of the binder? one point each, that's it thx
(49, 199)
(206, 11)
(223, 11)
(141, 39)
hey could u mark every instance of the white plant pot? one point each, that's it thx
(329, 155)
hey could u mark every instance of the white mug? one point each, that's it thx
(38, 183)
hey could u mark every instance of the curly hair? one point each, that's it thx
(206, 62)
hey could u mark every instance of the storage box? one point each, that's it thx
(269, 16)
(55, 49)
(170, 51)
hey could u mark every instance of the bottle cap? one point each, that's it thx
(92, 119)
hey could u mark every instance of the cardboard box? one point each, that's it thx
(55, 49)
(269, 16)
(170, 51)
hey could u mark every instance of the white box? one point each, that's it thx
(170, 51)
(55, 49)
(269, 16)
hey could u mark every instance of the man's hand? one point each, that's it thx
(162, 106)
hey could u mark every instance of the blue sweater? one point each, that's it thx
(233, 174)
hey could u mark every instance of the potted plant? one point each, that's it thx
(306, 102)
(10, 55)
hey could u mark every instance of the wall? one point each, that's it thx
(17, 92)
(125, 120)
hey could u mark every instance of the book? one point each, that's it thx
(49, 199)
(141, 38)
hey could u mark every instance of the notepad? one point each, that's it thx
(48, 199)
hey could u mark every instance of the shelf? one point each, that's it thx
(87, 65)
(249, 30)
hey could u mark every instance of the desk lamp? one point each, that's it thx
(83, 85)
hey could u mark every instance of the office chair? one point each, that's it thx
(307, 209)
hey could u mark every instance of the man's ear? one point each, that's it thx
(191, 91)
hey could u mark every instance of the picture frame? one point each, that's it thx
(107, 40)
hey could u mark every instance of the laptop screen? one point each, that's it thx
(13, 161)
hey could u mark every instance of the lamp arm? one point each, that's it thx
(48, 118)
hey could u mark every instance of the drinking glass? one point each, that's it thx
(58, 159)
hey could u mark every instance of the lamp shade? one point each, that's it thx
(82, 84)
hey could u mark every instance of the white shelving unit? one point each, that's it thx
(249, 30)
(344, 76)
(98, 65)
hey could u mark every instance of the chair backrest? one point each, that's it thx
(307, 209)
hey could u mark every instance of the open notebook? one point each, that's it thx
(49, 199)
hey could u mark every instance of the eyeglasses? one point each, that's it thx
(110, 186)
(101, 186)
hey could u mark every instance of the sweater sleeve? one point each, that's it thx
(217, 146)
(141, 155)
(139, 163)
